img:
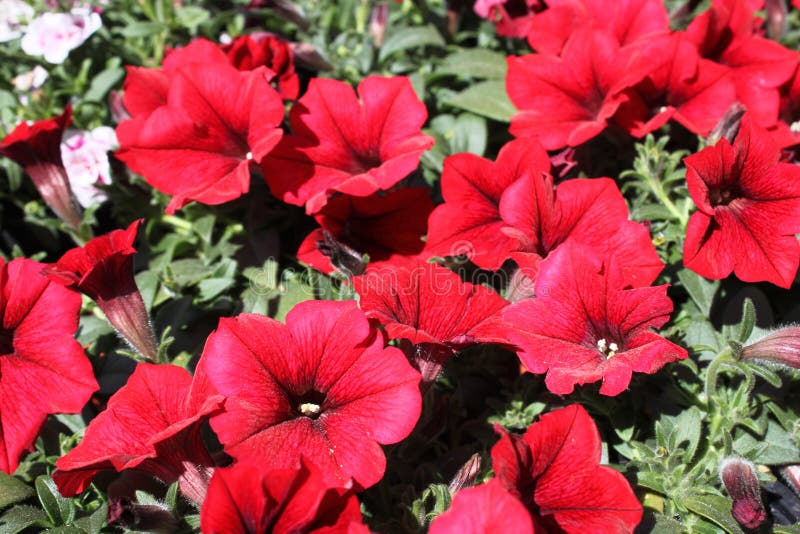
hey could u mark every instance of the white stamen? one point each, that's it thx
(602, 344)
(249, 155)
(309, 408)
(614, 347)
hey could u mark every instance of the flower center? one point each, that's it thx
(721, 197)
(308, 404)
(6, 342)
(607, 349)
(309, 409)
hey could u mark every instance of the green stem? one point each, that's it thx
(713, 371)
(185, 227)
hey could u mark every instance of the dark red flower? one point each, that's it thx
(353, 144)
(786, 132)
(629, 21)
(199, 146)
(320, 386)
(585, 324)
(469, 221)
(37, 148)
(103, 271)
(568, 100)
(152, 424)
(554, 470)
(681, 85)
(249, 52)
(482, 510)
(741, 482)
(251, 498)
(726, 33)
(748, 210)
(43, 369)
(382, 226)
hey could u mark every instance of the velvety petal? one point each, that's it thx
(484, 509)
(144, 90)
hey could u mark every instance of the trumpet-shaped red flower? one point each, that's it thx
(37, 350)
(37, 148)
(249, 498)
(681, 85)
(353, 144)
(629, 21)
(249, 52)
(103, 271)
(469, 221)
(553, 469)
(320, 386)
(216, 122)
(748, 210)
(382, 226)
(726, 33)
(567, 100)
(585, 324)
(152, 424)
(484, 509)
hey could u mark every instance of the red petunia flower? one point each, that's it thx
(353, 144)
(484, 509)
(43, 369)
(726, 33)
(320, 386)
(629, 21)
(249, 52)
(554, 470)
(430, 307)
(103, 271)
(152, 424)
(250, 498)
(37, 148)
(585, 324)
(567, 100)
(748, 210)
(681, 85)
(199, 146)
(469, 221)
(382, 226)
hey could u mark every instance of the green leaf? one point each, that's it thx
(469, 135)
(748, 320)
(683, 428)
(142, 29)
(475, 63)
(61, 511)
(190, 17)
(103, 83)
(13, 490)
(488, 99)
(780, 448)
(406, 38)
(94, 523)
(666, 525)
(714, 508)
(701, 291)
(21, 517)
(786, 529)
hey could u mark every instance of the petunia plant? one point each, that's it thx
(415, 266)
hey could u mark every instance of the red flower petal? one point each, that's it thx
(199, 146)
(37, 349)
(302, 389)
(484, 509)
(354, 144)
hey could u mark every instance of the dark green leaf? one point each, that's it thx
(93, 524)
(190, 17)
(21, 517)
(61, 511)
(475, 63)
(103, 83)
(748, 320)
(701, 291)
(488, 99)
(714, 508)
(469, 135)
(13, 490)
(142, 29)
(406, 38)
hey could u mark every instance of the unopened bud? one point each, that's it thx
(781, 347)
(377, 23)
(791, 474)
(131, 515)
(776, 11)
(344, 258)
(740, 480)
(466, 475)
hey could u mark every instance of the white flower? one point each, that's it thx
(31, 80)
(85, 157)
(54, 35)
(12, 14)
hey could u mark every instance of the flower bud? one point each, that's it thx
(740, 480)
(776, 11)
(466, 475)
(377, 23)
(781, 347)
(728, 125)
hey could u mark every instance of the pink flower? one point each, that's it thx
(85, 157)
(54, 35)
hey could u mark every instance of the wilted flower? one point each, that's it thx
(781, 347)
(740, 480)
(85, 157)
(54, 35)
